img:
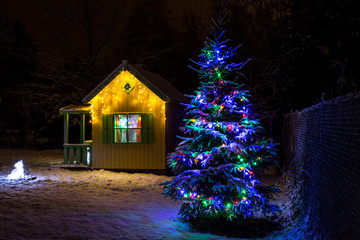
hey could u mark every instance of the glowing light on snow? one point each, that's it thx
(18, 172)
(88, 156)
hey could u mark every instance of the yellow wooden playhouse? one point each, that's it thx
(135, 116)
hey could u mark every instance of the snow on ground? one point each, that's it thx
(65, 204)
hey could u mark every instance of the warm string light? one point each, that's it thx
(113, 94)
(163, 110)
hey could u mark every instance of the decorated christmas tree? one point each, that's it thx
(219, 161)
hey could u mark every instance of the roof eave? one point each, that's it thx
(74, 109)
(124, 66)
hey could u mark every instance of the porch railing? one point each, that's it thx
(78, 154)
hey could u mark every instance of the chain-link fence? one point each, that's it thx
(322, 144)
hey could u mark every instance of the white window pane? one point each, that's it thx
(134, 135)
(120, 135)
(121, 121)
(123, 135)
(134, 121)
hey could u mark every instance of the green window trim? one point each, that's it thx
(127, 128)
(114, 131)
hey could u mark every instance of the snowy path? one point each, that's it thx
(64, 204)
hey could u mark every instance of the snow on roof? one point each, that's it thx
(154, 82)
(75, 109)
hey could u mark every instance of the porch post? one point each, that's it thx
(66, 137)
(82, 128)
(66, 128)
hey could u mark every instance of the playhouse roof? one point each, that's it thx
(154, 82)
(75, 109)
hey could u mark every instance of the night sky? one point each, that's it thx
(33, 14)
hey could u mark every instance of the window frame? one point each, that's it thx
(127, 128)
(147, 128)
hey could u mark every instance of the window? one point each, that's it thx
(126, 128)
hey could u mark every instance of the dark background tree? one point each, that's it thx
(84, 34)
(302, 52)
(17, 65)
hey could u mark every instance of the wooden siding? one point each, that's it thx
(113, 99)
